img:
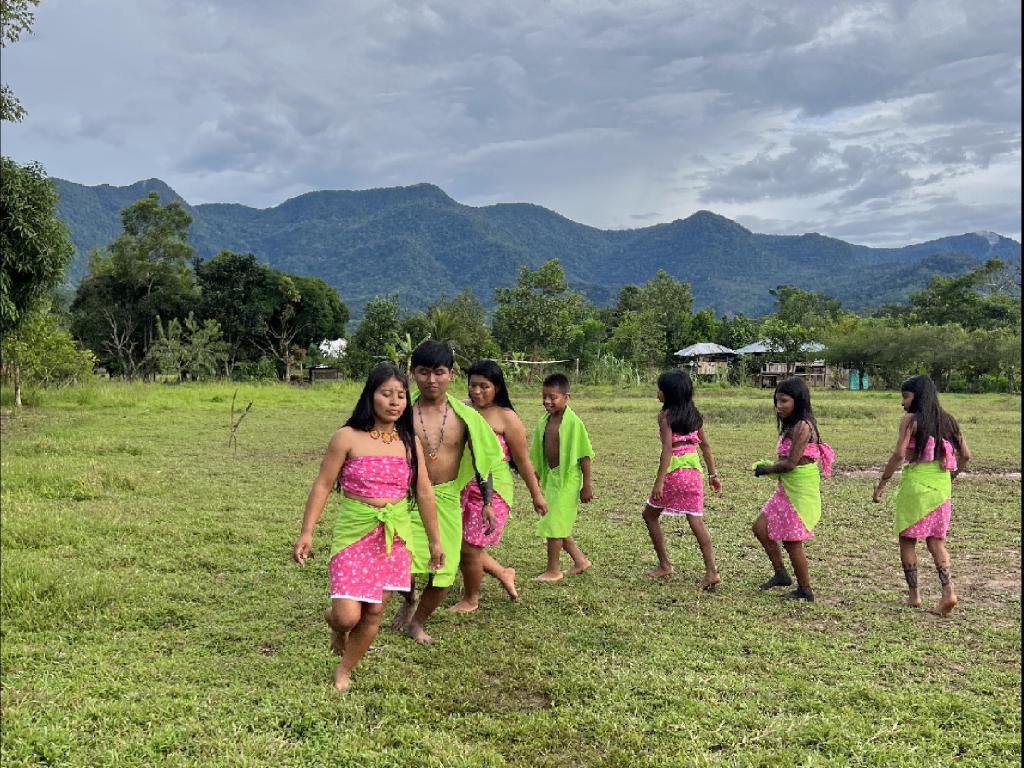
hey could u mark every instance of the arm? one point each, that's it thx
(709, 461)
(896, 460)
(963, 455)
(586, 492)
(427, 508)
(665, 434)
(800, 436)
(486, 486)
(330, 468)
(515, 436)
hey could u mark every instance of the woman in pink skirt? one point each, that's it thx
(378, 466)
(489, 395)
(933, 451)
(679, 485)
(795, 508)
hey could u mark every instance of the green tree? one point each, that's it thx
(230, 288)
(16, 17)
(190, 349)
(703, 327)
(639, 338)
(34, 245)
(539, 314)
(797, 307)
(378, 328)
(974, 300)
(736, 332)
(469, 317)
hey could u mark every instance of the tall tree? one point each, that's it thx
(974, 300)
(16, 17)
(378, 328)
(231, 287)
(34, 244)
(805, 308)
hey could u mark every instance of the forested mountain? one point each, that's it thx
(419, 242)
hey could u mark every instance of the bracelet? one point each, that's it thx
(884, 479)
(712, 476)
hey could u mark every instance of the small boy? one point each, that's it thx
(561, 454)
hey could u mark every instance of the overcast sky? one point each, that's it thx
(882, 123)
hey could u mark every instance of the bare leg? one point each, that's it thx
(429, 602)
(652, 517)
(342, 617)
(580, 563)
(795, 550)
(908, 557)
(402, 617)
(774, 552)
(507, 576)
(360, 638)
(700, 532)
(472, 567)
(938, 549)
(552, 573)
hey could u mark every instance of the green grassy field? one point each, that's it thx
(151, 614)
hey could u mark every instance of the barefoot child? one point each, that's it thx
(459, 444)
(378, 466)
(561, 454)
(937, 454)
(489, 396)
(793, 510)
(679, 485)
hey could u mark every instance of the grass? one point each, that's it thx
(151, 614)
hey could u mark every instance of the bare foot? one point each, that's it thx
(912, 602)
(579, 567)
(660, 571)
(342, 679)
(944, 607)
(508, 581)
(709, 581)
(338, 639)
(400, 622)
(463, 606)
(548, 576)
(415, 631)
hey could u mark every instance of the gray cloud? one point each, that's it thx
(799, 111)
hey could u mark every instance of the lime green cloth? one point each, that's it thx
(356, 519)
(803, 487)
(483, 455)
(923, 487)
(561, 485)
(686, 461)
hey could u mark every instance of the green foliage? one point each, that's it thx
(230, 287)
(16, 18)
(44, 352)
(34, 246)
(378, 328)
(974, 300)
(193, 351)
(797, 307)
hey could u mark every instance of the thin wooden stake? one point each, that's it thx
(232, 437)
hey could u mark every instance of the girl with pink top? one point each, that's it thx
(795, 508)
(378, 466)
(679, 484)
(489, 396)
(933, 452)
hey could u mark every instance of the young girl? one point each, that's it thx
(937, 454)
(793, 510)
(489, 396)
(378, 466)
(679, 486)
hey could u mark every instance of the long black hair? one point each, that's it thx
(491, 371)
(680, 412)
(930, 419)
(363, 418)
(797, 389)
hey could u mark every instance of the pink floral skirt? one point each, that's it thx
(682, 493)
(784, 524)
(363, 571)
(932, 526)
(472, 525)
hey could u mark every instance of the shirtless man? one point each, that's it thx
(459, 445)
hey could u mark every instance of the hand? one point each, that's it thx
(436, 562)
(659, 488)
(761, 470)
(303, 548)
(540, 506)
(716, 484)
(489, 520)
(877, 495)
(586, 494)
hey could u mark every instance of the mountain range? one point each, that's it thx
(419, 242)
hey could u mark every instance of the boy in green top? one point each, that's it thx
(561, 455)
(459, 445)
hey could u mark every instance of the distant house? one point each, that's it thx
(323, 373)
(706, 359)
(815, 372)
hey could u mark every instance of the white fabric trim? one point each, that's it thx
(673, 511)
(357, 599)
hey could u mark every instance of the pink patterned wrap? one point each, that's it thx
(948, 460)
(784, 524)
(363, 571)
(936, 523)
(682, 493)
(818, 451)
(472, 503)
(376, 477)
